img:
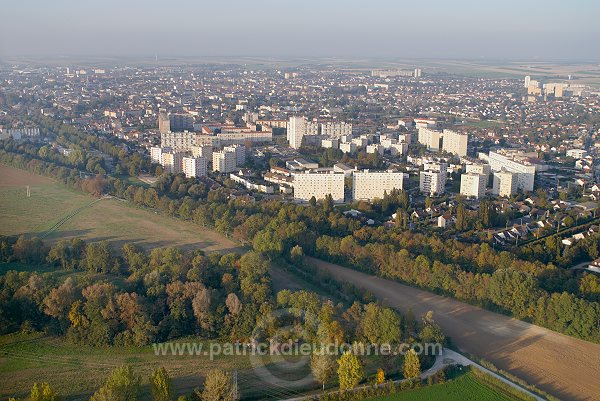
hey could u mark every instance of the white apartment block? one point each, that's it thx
(455, 142)
(171, 161)
(577, 153)
(336, 129)
(479, 169)
(194, 166)
(181, 141)
(361, 142)
(297, 128)
(472, 185)
(224, 162)
(319, 185)
(205, 151)
(330, 143)
(156, 153)
(525, 171)
(18, 133)
(251, 186)
(425, 123)
(406, 137)
(240, 153)
(342, 168)
(440, 167)
(505, 183)
(433, 179)
(349, 147)
(432, 182)
(375, 148)
(230, 138)
(368, 185)
(429, 138)
(394, 146)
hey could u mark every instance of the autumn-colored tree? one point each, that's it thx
(160, 385)
(379, 376)
(233, 304)
(43, 392)
(121, 385)
(412, 365)
(350, 371)
(218, 386)
(59, 300)
(322, 367)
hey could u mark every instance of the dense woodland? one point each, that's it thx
(131, 297)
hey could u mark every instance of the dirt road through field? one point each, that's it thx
(563, 366)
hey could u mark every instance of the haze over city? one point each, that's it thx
(529, 30)
(299, 200)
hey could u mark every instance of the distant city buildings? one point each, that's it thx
(19, 133)
(335, 129)
(383, 73)
(171, 122)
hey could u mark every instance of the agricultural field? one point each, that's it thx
(26, 358)
(54, 212)
(463, 388)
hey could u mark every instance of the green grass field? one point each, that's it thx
(463, 388)
(56, 212)
(80, 370)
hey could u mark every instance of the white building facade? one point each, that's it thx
(319, 185)
(505, 183)
(525, 172)
(368, 185)
(472, 185)
(224, 162)
(455, 142)
(194, 166)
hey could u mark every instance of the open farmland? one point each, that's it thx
(55, 212)
(523, 349)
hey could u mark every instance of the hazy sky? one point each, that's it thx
(494, 29)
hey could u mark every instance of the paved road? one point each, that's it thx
(563, 366)
(450, 357)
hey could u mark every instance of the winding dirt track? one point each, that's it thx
(563, 366)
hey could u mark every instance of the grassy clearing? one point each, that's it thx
(463, 388)
(79, 216)
(77, 371)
